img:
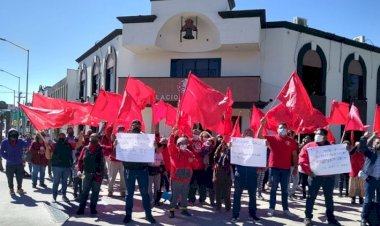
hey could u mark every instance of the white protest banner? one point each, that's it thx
(135, 147)
(329, 159)
(248, 151)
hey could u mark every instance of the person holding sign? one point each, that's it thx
(315, 182)
(283, 151)
(137, 171)
(245, 177)
(182, 163)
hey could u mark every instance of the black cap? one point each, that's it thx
(136, 121)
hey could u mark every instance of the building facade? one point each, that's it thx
(230, 48)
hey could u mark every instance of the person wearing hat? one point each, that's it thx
(137, 171)
(39, 161)
(182, 163)
(165, 175)
(12, 151)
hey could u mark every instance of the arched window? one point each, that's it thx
(378, 87)
(95, 76)
(311, 67)
(110, 70)
(82, 82)
(354, 79)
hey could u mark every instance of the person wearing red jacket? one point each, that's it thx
(39, 160)
(315, 182)
(182, 163)
(199, 179)
(166, 173)
(108, 142)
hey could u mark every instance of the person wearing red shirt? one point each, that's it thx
(315, 182)
(283, 152)
(166, 172)
(182, 163)
(39, 160)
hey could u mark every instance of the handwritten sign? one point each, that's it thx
(248, 151)
(135, 147)
(329, 159)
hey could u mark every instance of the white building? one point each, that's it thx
(231, 48)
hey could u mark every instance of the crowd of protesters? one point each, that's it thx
(189, 167)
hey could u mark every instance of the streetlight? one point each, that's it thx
(18, 96)
(14, 94)
(27, 70)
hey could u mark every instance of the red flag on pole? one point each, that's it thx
(203, 103)
(376, 121)
(256, 117)
(107, 106)
(129, 111)
(280, 113)
(311, 123)
(171, 115)
(141, 93)
(42, 118)
(338, 113)
(353, 121)
(162, 110)
(294, 96)
(236, 130)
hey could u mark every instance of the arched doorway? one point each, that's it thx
(110, 70)
(354, 84)
(311, 67)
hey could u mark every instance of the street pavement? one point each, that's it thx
(36, 208)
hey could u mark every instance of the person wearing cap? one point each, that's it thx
(165, 174)
(137, 171)
(316, 182)
(182, 163)
(12, 151)
(114, 166)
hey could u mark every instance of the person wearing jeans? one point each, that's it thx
(136, 171)
(12, 151)
(245, 177)
(91, 165)
(283, 152)
(316, 182)
(62, 161)
(39, 161)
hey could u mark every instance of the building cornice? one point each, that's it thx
(99, 44)
(321, 34)
(137, 19)
(244, 14)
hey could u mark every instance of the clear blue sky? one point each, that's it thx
(58, 32)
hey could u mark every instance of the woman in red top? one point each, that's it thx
(39, 160)
(356, 184)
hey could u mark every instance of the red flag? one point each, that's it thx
(226, 126)
(280, 113)
(129, 111)
(311, 123)
(159, 110)
(330, 136)
(42, 118)
(203, 103)
(141, 93)
(236, 130)
(171, 115)
(376, 121)
(81, 111)
(338, 113)
(353, 121)
(294, 96)
(256, 117)
(107, 106)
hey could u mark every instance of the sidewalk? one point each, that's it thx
(36, 208)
